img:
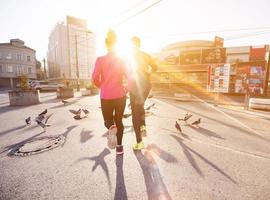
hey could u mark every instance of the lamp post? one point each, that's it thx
(77, 65)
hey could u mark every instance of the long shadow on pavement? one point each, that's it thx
(155, 187)
(187, 151)
(12, 130)
(99, 161)
(120, 188)
(206, 132)
(243, 130)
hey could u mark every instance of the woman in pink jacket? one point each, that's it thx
(109, 75)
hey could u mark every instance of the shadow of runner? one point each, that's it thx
(120, 188)
(187, 151)
(99, 161)
(161, 153)
(155, 187)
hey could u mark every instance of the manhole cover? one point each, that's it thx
(38, 145)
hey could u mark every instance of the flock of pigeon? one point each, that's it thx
(187, 117)
(43, 117)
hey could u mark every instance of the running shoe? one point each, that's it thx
(119, 149)
(143, 131)
(112, 139)
(138, 146)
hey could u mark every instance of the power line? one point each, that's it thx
(138, 13)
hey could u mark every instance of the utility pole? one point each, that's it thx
(77, 66)
(44, 65)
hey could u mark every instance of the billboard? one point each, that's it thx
(214, 55)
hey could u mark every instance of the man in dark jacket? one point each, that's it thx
(143, 66)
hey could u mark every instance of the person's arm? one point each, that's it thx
(153, 64)
(96, 76)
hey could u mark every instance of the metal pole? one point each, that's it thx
(267, 75)
(44, 65)
(77, 66)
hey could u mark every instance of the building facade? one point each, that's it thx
(16, 60)
(189, 63)
(71, 52)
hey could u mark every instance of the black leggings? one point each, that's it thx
(137, 100)
(112, 111)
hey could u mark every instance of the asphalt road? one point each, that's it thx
(227, 157)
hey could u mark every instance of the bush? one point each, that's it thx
(24, 83)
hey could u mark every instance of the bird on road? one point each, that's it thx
(187, 116)
(64, 101)
(86, 112)
(43, 113)
(76, 112)
(126, 115)
(197, 122)
(28, 120)
(149, 107)
(178, 127)
(77, 117)
(42, 121)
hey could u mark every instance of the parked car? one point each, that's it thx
(45, 86)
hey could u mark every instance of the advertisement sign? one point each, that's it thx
(219, 78)
(257, 53)
(215, 55)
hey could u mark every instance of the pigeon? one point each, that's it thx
(76, 112)
(197, 122)
(126, 115)
(28, 120)
(42, 121)
(43, 113)
(178, 127)
(86, 112)
(77, 117)
(149, 107)
(187, 116)
(64, 101)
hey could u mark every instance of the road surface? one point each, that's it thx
(227, 157)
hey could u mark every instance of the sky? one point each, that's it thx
(168, 21)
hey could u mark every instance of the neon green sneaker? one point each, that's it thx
(138, 146)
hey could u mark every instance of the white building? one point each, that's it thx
(61, 55)
(16, 60)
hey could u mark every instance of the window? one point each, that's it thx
(29, 70)
(28, 58)
(19, 69)
(19, 57)
(0, 56)
(9, 69)
(9, 56)
(1, 68)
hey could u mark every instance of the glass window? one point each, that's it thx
(9, 68)
(0, 56)
(28, 58)
(1, 68)
(19, 69)
(9, 56)
(19, 57)
(29, 70)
